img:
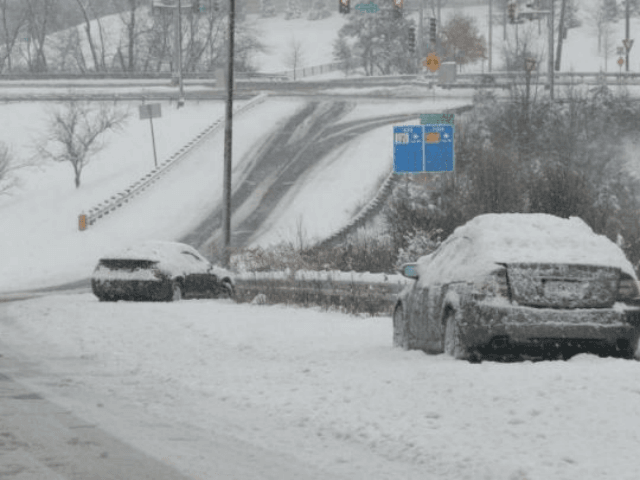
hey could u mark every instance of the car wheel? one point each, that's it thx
(176, 292)
(400, 331)
(627, 348)
(227, 290)
(452, 342)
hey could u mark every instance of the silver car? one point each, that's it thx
(159, 270)
(520, 284)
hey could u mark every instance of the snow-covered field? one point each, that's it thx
(328, 389)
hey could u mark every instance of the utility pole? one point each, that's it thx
(560, 35)
(228, 136)
(551, 66)
(490, 31)
(421, 36)
(180, 82)
(627, 33)
(504, 20)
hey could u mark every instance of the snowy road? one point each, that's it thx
(287, 392)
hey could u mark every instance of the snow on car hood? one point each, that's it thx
(474, 248)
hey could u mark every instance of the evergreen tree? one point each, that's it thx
(381, 40)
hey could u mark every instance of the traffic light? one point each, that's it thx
(412, 39)
(512, 12)
(397, 9)
(432, 31)
(345, 7)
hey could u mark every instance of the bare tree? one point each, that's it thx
(68, 52)
(98, 65)
(608, 43)
(7, 180)
(13, 20)
(134, 30)
(39, 14)
(599, 18)
(295, 55)
(75, 133)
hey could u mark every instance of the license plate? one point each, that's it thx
(563, 289)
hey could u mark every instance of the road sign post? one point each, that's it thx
(151, 111)
(628, 43)
(620, 63)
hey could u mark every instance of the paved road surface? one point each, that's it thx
(54, 428)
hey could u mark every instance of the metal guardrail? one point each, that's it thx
(312, 70)
(131, 76)
(118, 200)
(373, 292)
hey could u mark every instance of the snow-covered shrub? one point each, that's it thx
(419, 243)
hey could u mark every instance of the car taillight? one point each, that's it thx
(157, 273)
(627, 288)
(501, 283)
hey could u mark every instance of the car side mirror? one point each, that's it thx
(409, 270)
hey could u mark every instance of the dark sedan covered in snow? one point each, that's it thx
(520, 284)
(158, 270)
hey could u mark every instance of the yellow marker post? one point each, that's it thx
(82, 222)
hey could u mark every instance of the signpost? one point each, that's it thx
(151, 111)
(620, 63)
(628, 43)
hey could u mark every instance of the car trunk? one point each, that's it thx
(563, 285)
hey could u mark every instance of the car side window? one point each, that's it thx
(196, 255)
(191, 256)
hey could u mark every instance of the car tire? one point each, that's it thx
(227, 290)
(176, 292)
(453, 344)
(630, 349)
(400, 330)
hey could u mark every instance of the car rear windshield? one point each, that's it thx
(127, 264)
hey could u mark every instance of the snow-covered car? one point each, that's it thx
(159, 270)
(526, 284)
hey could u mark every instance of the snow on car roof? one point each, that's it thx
(167, 254)
(150, 250)
(475, 247)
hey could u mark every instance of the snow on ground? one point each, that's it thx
(316, 39)
(329, 389)
(312, 207)
(44, 242)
